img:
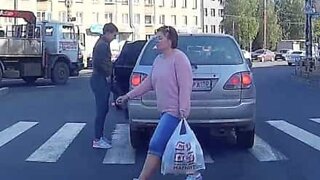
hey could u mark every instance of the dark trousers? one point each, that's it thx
(101, 90)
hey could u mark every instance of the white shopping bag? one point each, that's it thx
(183, 153)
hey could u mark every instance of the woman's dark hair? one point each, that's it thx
(171, 33)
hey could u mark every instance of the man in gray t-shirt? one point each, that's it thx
(101, 81)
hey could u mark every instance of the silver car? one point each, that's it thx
(223, 97)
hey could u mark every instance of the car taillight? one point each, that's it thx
(137, 78)
(241, 80)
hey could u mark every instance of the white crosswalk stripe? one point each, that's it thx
(264, 152)
(317, 120)
(298, 133)
(51, 150)
(121, 151)
(14, 131)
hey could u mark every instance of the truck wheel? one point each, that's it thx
(245, 139)
(60, 73)
(137, 138)
(29, 79)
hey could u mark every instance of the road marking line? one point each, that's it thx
(298, 133)
(4, 91)
(264, 152)
(207, 157)
(53, 148)
(14, 131)
(121, 151)
(48, 86)
(317, 120)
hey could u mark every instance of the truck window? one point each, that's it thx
(68, 32)
(49, 31)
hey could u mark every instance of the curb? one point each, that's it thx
(4, 91)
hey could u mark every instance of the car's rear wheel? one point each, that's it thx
(138, 138)
(245, 139)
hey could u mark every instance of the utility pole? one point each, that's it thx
(308, 32)
(15, 7)
(264, 24)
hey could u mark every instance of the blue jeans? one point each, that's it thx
(162, 134)
(101, 90)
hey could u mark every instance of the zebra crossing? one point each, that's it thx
(123, 154)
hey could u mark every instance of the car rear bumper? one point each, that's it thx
(242, 115)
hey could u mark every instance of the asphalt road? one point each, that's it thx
(46, 133)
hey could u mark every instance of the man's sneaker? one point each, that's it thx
(102, 144)
(194, 177)
(106, 140)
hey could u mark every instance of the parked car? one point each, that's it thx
(223, 97)
(263, 55)
(247, 56)
(282, 53)
(294, 57)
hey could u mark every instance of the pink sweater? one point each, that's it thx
(171, 78)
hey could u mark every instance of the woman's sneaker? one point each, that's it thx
(194, 177)
(101, 144)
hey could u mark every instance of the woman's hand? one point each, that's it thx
(122, 99)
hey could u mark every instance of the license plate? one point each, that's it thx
(201, 85)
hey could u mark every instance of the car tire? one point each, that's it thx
(30, 79)
(137, 138)
(60, 73)
(245, 139)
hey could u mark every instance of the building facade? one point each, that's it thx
(213, 12)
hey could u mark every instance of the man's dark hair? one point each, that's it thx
(110, 28)
(171, 33)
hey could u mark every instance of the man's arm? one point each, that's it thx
(102, 59)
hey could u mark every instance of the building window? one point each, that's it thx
(162, 19)
(78, 1)
(149, 2)
(79, 17)
(205, 11)
(174, 20)
(125, 2)
(221, 12)
(195, 20)
(195, 4)
(108, 17)
(95, 17)
(174, 3)
(148, 19)
(184, 3)
(213, 12)
(137, 18)
(185, 20)
(213, 28)
(108, 1)
(161, 3)
(206, 28)
(221, 28)
(62, 16)
(137, 2)
(125, 18)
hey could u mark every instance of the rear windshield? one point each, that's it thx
(201, 50)
(296, 52)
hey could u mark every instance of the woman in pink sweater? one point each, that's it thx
(171, 79)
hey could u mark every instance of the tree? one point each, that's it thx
(291, 18)
(241, 20)
(273, 27)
